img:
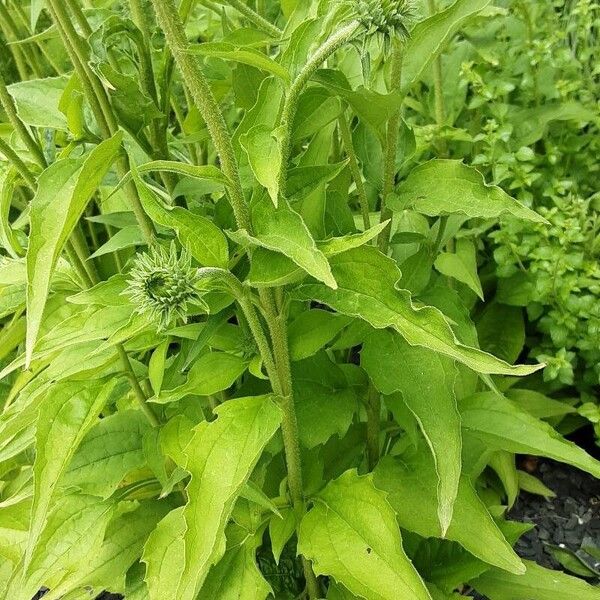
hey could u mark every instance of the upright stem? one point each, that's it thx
(290, 105)
(373, 426)
(391, 147)
(191, 70)
(355, 170)
(438, 90)
(101, 107)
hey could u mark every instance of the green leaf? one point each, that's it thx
(123, 543)
(213, 372)
(281, 529)
(531, 123)
(502, 424)
(446, 187)
(337, 245)
(325, 403)
(461, 265)
(220, 458)
(64, 189)
(302, 181)
(283, 230)
(247, 56)
(533, 485)
(411, 484)
(37, 102)
(201, 236)
(367, 279)
(351, 534)
(264, 155)
(429, 37)
(271, 269)
(124, 238)
(236, 574)
(537, 583)
(65, 416)
(426, 381)
(538, 405)
(501, 331)
(109, 451)
(75, 528)
(312, 330)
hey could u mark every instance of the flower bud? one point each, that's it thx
(162, 283)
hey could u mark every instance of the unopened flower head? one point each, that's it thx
(387, 18)
(161, 284)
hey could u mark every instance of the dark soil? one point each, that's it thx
(571, 520)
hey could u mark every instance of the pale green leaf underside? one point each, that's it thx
(63, 192)
(366, 289)
(351, 534)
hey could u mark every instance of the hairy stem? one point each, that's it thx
(355, 170)
(391, 147)
(339, 39)
(259, 21)
(170, 22)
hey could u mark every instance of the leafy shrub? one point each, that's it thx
(242, 350)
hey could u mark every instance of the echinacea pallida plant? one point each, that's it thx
(238, 357)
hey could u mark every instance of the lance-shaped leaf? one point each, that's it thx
(351, 534)
(283, 230)
(426, 381)
(65, 416)
(201, 236)
(537, 583)
(503, 424)
(366, 289)
(429, 37)
(64, 189)
(220, 458)
(411, 484)
(446, 187)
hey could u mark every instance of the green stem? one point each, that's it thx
(11, 27)
(256, 19)
(355, 169)
(11, 112)
(373, 426)
(438, 89)
(100, 104)
(339, 39)
(170, 22)
(389, 161)
(19, 165)
(15, 51)
(137, 390)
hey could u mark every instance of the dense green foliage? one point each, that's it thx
(285, 287)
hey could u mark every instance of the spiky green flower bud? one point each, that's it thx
(387, 18)
(161, 284)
